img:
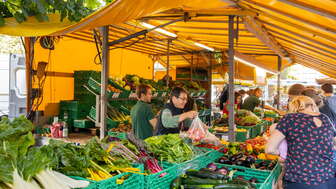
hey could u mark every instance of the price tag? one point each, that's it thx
(115, 95)
(155, 94)
(248, 134)
(225, 137)
(164, 93)
(133, 95)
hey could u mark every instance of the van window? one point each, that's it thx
(20, 84)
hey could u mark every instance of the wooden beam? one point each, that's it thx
(313, 32)
(206, 58)
(251, 60)
(310, 8)
(308, 51)
(304, 45)
(296, 34)
(176, 13)
(203, 28)
(294, 17)
(261, 33)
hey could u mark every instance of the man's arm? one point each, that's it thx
(153, 122)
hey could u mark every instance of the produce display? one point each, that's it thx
(246, 118)
(212, 177)
(25, 166)
(270, 112)
(123, 128)
(116, 115)
(226, 129)
(170, 148)
(258, 111)
(249, 154)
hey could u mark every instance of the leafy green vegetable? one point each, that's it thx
(170, 148)
(18, 127)
(74, 10)
(15, 140)
(34, 162)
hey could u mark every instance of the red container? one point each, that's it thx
(55, 130)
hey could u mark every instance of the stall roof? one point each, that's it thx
(300, 31)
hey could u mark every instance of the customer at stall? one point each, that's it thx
(295, 90)
(309, 135)
(173, 117)
(322, 104)
(253, 101)
(143, 120)
(328, 92)
(237, 103)
(243, 94)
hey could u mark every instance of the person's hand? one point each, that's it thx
(191, 114)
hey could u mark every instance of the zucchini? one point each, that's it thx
(231, 186)
(176, 184)
(207, 174)
(190, 180)
(203, 186)
(241, 182)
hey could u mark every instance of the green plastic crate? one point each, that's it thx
(109, 122)
(250, 129)
(94, 85)
(115, 85)
(119, 135)
(125, 94)
(158, 181)
(242, 136)
(83, 123)
(266, 178)
(134, 181)
(200, 161)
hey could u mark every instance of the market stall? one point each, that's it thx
(194, 159)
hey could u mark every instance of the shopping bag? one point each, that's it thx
(197, 131)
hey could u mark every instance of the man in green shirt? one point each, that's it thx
(253, 101)
(142, 116)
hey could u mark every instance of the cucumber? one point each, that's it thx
(203, 186)
(207, 174)
(190, 180)
(176, 184)
(231, 186)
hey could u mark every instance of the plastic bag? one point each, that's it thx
(211, 139)
(197, 131)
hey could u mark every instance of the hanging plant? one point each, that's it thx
(73, 10)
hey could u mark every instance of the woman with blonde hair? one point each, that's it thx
(309, 137)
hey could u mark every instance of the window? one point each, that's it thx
(21, 81)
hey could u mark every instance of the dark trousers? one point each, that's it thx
(331, 184)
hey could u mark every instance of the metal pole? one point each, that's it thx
(30, 75)
(231, 80)
(168, 63)
(209, 81)
(278, 84)
(104, 80)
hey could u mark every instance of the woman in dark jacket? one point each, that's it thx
(174, 116)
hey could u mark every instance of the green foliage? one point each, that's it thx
(73, 10)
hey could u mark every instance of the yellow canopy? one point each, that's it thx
(300, 31)
(115, 13)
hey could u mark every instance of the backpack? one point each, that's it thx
(325, 109)
(223, 97)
